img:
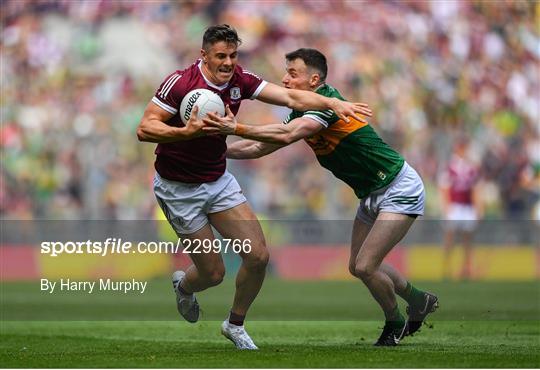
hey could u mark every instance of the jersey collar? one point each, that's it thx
(320, 87)
(208, 82)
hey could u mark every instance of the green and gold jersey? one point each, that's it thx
(352, 151)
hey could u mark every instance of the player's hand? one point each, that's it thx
(215, 124)
(194, 126)
(344, 109)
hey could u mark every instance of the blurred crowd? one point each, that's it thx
(77, 75)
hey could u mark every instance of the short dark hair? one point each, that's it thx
(313, 58)
(221, 32)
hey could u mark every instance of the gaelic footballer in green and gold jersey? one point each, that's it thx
(391, 192)
(352, 151)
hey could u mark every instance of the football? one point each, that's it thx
(207, 101)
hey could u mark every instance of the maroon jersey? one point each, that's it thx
(461, 176)
(201, 159)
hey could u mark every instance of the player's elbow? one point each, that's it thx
(284, 139)
(288, 140)
(293, 100)
(142, 135)
(295, 105)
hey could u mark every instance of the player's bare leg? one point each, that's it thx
(206, 271)
(420, 303)
(370, 245)
(360, 233)
(240, 223)
(387, 231)
(399, 281)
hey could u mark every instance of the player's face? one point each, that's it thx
(219, 62)
(299, 76)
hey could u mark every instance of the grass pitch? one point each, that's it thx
(478, 325)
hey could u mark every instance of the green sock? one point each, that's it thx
(394, 315)
(413, 296)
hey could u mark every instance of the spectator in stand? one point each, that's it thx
(461, 205)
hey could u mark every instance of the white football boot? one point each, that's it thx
(237, 335)
(187, 305)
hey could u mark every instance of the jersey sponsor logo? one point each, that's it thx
(192, 99)
(235, 93)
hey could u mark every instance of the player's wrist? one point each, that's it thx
(333, 104)
(239, 129)
(185, 133)
(180, 132)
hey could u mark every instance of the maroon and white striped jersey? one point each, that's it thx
(201, 159)
(460, 177)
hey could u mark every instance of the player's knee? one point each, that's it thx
(364, 270)
(257, 260)
(215, 277)
(352, 269)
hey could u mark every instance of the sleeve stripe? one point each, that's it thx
(164, 106)
(166, 84)
(245, 71)
(259, 89)
(316, 118)
(170, 84)
(324, 113)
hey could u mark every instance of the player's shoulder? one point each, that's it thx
(329, 91)
(188, 72)
(175, 85)
(180, 78)
(243, 73)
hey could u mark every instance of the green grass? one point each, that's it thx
(283, 344)
(295, 324)
(278, 300)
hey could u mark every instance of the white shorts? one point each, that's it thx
(187, 206)
(461, 217)
(404, 195)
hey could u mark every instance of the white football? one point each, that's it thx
(207, 101)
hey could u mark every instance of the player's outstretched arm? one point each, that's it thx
(302, 100)
(281, 134)
(250, 149)
(153, 128)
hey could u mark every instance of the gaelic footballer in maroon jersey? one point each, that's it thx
(201, 159)
(192, 186)
(461, 205)
(462, 177)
